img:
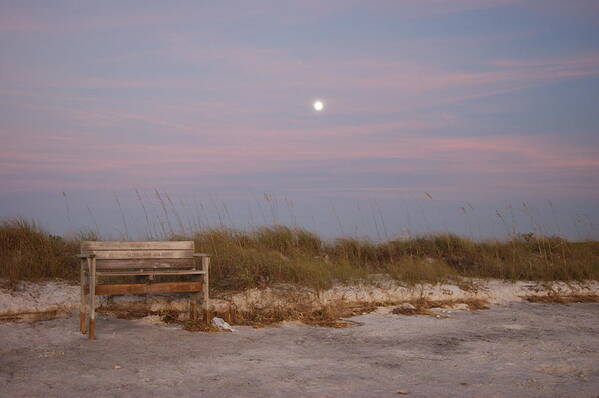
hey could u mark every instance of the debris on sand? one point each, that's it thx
(439, 308)
(563, 298)
(221, 324)
(405, 309)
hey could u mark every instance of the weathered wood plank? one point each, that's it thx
(134, 273)
(140, 254)
(82, 303)
(92, 298)
(87, 246)
(141, 288)
(146, 263)
(206, 303)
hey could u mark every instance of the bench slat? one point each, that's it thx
(140, 254)
(88, 246)
(135, 273)
(147, 263)
(140, 288)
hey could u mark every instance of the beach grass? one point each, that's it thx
(264, 256)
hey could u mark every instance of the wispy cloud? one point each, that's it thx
(447, 96)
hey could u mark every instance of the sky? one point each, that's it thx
(136, 118)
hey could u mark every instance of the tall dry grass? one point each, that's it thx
(29, 253)
(280, 254)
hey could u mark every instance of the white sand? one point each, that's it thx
(513, 350)
(64, 297)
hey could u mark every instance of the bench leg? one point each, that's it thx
(92, 298)
(206, 291)
(193, 307)
(82, 311)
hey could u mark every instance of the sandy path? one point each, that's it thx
(519, 350)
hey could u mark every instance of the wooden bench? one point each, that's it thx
(145, 260)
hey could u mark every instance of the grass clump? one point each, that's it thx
(242, 260)
(414, 270)
(29, 253)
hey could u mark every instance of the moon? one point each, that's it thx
(318, 105)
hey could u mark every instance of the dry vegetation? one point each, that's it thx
(278, 254)
(330, 315)
(563, 298)
(28, 253)
(422, 306)
(333, 314)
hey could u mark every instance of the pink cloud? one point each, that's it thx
(21, 18)
(377, 86)
(583, 9)
(256, 152)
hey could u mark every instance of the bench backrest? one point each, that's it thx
(119, 255)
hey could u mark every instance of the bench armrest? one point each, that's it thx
(201, 255)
